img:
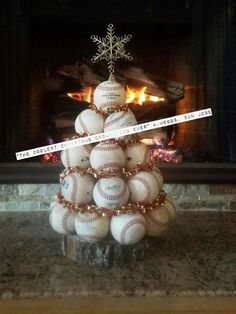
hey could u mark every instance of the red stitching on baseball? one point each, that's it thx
(147, 188)
(111, 197)
(83, 125)
(126, 227)
(88, 219)
(117, 119)
(64, 221)
(114, 165)
(156, 222)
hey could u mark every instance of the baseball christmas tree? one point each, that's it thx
(113, 186)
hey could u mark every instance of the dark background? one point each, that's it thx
(192, 42)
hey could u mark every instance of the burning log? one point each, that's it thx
(172, 91)
(81, 72)
(150, 98)
(85, 74)
(136, 77)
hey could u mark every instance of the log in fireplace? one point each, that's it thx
(185, 43)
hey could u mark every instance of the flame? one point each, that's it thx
(130, 95)
(133, 95)
(155, 98)
(138, 96)
(89, 95)
(84, 95)
(168, 154)
(142, 97)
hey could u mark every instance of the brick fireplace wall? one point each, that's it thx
(187, 197)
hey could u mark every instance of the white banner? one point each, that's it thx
(114, 134)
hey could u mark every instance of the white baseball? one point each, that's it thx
(111, 192)
(89, 122)
(119, 120)
(91, 227)
(109, 94)
(128, 229)
(171, 208)
(76, 156)
(107, 156)
(143, 187)
(157, 221)
(77, 188)
(158, 175)
(137, 154)
(62, 219)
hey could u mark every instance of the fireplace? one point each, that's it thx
(185, 47)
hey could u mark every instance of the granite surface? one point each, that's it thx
(196, 257)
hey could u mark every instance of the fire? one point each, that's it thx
(84, 95)
(169, 153)
(142, 97)
(138, 96)
(130, 95)
(133, 95)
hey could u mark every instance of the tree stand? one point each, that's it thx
(105, 253)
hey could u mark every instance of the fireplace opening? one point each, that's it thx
(183, 52)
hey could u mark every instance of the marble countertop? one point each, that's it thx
(196, 257)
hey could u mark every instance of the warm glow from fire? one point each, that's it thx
(84, 95)
(89, 95)
(167, 153)
(133, 95)
(155, 98)
(130, 95)
(142, 97)
(138, 96)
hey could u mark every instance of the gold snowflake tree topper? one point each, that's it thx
(111, 48)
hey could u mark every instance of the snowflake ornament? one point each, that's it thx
(111, 48)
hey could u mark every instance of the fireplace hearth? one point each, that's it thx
(187, 44)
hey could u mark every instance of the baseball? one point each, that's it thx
(89, 122)
(143, 187)
(77, 188)
(157, 221)
(119, 120)
(107, 156)
(111, 192)
(109, 94)
(137, 154)
(157, 174)
(128, 229)
(62, 219)
(91, 227)
(76, 156)
(171, 208)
